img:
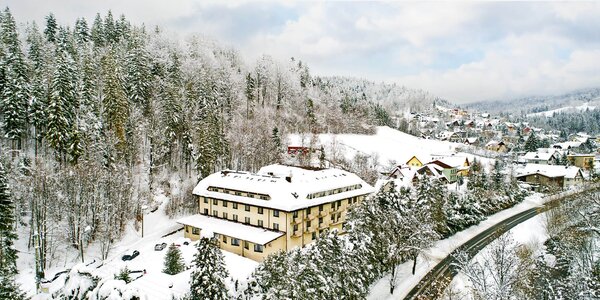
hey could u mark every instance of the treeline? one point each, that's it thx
(587, 121)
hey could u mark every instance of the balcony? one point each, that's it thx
(323, 213)
(297, 233)
(323, 225)
(310, 216)
(296, 220)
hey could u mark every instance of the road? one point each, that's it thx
(440, 276)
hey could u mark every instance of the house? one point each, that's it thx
(496, 146)
(432, 171)
(460, 163)
(567, 145)
(276, 209)
(584, 161)
(543, 157)
(414, 162)
(549, 175)
(472, 141)
(450, 173)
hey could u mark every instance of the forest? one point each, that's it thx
(98, 116)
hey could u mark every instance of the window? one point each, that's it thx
(275, 226)
(258, 248)
(314, 235)
(215, 201)
(215, 213)
(206, 211)
(308, 224)
(195, 231)
(321, 207)
(260, 210)
(332, 217)
(246, 245)
(333, 206)
(205, 200)
(275, 213)
(295, 214)
(238, 193)
(235, 242)
(247, 220)
(308, 211)
(260, 223)
(187, 229)
(234, 205)
(224, 203)
(247, 207)
(235, 218)
(320, 221)
(295, 227)
(224, 215)
(225, 239)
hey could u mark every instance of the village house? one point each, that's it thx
(584, 161)
(496, 146)
(542, 156)
(550, 176)
(276, 209)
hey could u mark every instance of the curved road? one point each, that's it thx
(440, 276)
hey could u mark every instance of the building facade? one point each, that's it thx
(276, 209)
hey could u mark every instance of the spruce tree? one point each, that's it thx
(115, 104)
(173, 261)
(51, 28)
(15, 90)
(124, 275)
(97, 32)
(8, 255)
(208, 278)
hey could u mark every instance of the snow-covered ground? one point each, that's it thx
(388, 145)
(154, 284)
(406, 281)
(549, 113)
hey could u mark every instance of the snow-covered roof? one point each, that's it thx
(539, 155)
(288, 195)
(567, 145)
(240, 231)
(549, 170)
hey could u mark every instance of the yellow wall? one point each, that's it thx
(414, 162)
(286, 221)
(584, 162)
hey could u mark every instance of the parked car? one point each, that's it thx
(160, 247)
(127, 257)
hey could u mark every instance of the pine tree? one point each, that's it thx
(51, 28)
(8, 255)
(532, 143)
(82, 34)
(208, 278)
(115, 104)
(110, 32)
(60, 118)
(173, 261)
(124, 275)
(15, 90)
(97, 33)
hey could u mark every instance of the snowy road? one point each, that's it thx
(444, 271)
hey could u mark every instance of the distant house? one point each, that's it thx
(542, 158)
(584, 161)
(496, 146)
(548, 175)
(414, 162)
(472, 141)
(453, 165)
(567, 145)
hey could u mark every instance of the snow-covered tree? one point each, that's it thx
(174, 263)
(208, 278)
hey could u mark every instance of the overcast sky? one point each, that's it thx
(462, 52)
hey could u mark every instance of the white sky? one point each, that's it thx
(463, 52)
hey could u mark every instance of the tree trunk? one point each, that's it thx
(414, 264)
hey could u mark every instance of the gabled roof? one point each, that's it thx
(538, 156)
(551, 171)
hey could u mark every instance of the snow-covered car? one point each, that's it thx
(160, 247)
(127, 257)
